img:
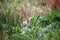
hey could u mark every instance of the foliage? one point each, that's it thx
(40, 26)
(46, 27)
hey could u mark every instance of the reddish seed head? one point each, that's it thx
(54, 3)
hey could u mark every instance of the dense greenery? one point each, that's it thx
(45, 27)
